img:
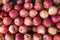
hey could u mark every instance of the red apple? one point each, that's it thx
(1, 37)
(47, 37)
(29, 1)
(53, 10)
(37, 37)
(13, 14)
(41, 29)
(58, 26)
(7, 20)
(3, 29)
(38, 7)
(27, 37)
(56, 37)
(28, 21)
(52, 30)
(3, 14)
(28, 6)
(20, 1)
(5, 1)
(19, 37)
(7, 7)
(36, 21)
(33, 13)
(1, 22)
(47, 22)
(9, 36)
(56, 1)
(55, 18)
(23, 29)
(18, 21)
(47, 4)
(44, 14)
(18, 7)
(23, 13)
(13, 29)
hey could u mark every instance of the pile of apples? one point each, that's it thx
(27, 20)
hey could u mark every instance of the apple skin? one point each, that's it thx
(23, 29)
(13, 29)
(44, 14)
(29, 1)
(9, 36)
(18, 21)
(20, 1)
(28, 6)
(38, 7)
(1, 22)
(36, 21)
(41, 29)
(1, 2)
(52, 30)
(47, 37)
(56, 37)
(27, 37)
(13, 14)
(18, 36)
(53, 10)
(3, 14)
(37, 37)
(3, 29)
(5, 1)
(7, 20)
(47, 22)
(7, 7)
(55, 18)
(47, 4)
(56, 1)
(23, 13)
(33, 13)
(1, 36)
(28, 22)
(58, 26)
(18, 7)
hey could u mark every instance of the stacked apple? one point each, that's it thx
(27, 20)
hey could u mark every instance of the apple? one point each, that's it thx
(5, 1)
(47, 37)
(27, 37)
(20, 1)
(37, 36)
(18, 21)
(1, 36)
(52, 30)
(56, 1)
(7, 20)
(18, 7)
(18, 36)
(53, 10)
(56, 37)
(58, 26)
(44, 14)
(28, 21)
(28, 6)
(41, 29)
(33, 13)
(6, 7)
(1, 22)
(47, 22)
(9, 36)
(38, 7)
(13, 29)
(23, 29)
(47, 4)
(13, 14)
(3, 29)
(36, 21)
(23, 13)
